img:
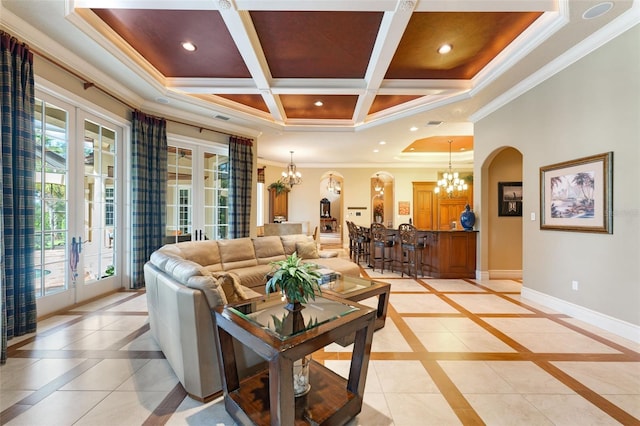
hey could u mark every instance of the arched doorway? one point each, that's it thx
(501, 234)
(330, 209)
(382, 194)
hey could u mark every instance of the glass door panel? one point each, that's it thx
(51, 201)
(179, 194)
(100, 195)
(216, 192)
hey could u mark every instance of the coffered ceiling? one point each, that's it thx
(290, 70)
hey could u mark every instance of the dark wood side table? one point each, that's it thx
(357, 289)
(267, 398)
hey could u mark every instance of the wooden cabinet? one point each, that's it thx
(278, 205)
(437, 212)
(449, 210)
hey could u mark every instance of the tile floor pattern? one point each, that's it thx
(452, 352)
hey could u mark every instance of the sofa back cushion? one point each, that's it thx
(205, 253)
(268, 249)
(237, 253)
(307, 249)
(289, 242)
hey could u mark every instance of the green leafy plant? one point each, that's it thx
(279, 186)
(296, 280)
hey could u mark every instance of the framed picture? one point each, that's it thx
(509, 198)
(577, 195)
(403, 208)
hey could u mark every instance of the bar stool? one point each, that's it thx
(352, 239)
(411, 249)
(385, 243)
(362, 244)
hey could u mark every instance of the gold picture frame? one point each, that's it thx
(577, 195)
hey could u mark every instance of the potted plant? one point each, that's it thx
(296, 280)
(279, 186)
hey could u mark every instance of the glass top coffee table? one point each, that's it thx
(267, 397)
(357, 289)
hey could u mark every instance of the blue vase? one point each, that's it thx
(467, 218)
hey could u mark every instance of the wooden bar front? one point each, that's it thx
(449, 254)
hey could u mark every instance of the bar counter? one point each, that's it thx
(449, 254)
(446, 254)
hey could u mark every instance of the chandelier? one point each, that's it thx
(379, 185)
(450, 184)
(333, 185)
(291, 176)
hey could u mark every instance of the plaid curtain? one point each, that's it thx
(148, 190)
(241, 173)
(18, 188)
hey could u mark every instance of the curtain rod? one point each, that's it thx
(87, 85)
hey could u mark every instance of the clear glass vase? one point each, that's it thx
(301, 383)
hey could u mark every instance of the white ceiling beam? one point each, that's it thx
(144, 4)
(392, 28)
(487, 6)
(318, 5)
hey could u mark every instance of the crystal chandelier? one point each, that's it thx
(333, 185)
(450, 184)
(379, 186)
(291, 176)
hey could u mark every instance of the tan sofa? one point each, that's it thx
(185, 280)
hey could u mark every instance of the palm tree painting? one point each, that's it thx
(572, 196)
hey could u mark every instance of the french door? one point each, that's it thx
(78, 200)
(197, 191)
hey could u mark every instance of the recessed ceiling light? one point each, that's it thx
(444, 49)
(412, 149)
(413, 129)
(188, 46)
(376, 150)
(318, 103)
(597, 10)
(382, 143)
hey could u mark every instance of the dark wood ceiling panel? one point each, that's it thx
(334, 106)
(317, 44)
(476, 37)
(382, 102)
(158, 35)
(253, 101)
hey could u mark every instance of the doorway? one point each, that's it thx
(330, 210)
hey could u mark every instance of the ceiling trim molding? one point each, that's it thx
(42, 43)
(615, 28)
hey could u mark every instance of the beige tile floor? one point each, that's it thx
(452, 352)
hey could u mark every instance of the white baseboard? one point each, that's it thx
(482, 275)
(505, 274)
(605, 322)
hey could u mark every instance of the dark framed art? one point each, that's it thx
(577, 195)
(509, 198)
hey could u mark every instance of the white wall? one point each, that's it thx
(591, 107)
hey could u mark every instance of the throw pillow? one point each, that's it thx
(307, 249)
(230, 284)
(211, 289)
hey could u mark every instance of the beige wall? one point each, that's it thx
(591, 107)
(505, 232)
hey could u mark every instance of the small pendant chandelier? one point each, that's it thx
(333, 185)
(379, 185)
(291, 176)
(450, 185)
